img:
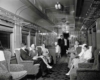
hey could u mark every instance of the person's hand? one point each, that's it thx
(99, 52)
(77, 57)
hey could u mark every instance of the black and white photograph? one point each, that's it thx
(49, 39)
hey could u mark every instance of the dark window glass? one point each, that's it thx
(5, 39)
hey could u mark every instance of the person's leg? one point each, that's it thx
(42, 67)
(74, 65)
(56, 58)
(70, 70)
(48, 66)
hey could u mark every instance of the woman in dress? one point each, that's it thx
(83, 57)
(34, 55)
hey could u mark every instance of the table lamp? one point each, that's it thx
(2, 57)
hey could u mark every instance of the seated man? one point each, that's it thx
(25, 55)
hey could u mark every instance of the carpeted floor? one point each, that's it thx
(59, 70)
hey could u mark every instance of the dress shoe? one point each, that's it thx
(67, 74)
(49, 67)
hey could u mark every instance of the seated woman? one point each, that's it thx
(74, 51)
(34, 55)
(45, 53)
(83, 57)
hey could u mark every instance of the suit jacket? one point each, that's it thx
(25, 55)
(61, 43)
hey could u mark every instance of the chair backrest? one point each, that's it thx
(78, 49)
(7, 54)
(96, 64)
(39, 51)
(17, 53)
(93, 52)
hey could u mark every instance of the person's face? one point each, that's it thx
(24, 47)
(61, 36)
(55, 43)
(84, 48)
(76, 43)
(43, 45)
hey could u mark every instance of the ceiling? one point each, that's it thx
(75, 13)
(87, 11)
(58, 17)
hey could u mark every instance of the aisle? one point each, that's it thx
(60, 70)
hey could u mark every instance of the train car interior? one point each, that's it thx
(49, 40)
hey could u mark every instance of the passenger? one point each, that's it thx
(45, 53)
(57, 51)
(25, 55)
(83, 57)
(33, 52)
(34, 55)
(74, 51)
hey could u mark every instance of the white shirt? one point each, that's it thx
(57, 49)
(65, 40)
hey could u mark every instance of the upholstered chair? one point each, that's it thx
(11, 71)
(90, 71)
(32, 69)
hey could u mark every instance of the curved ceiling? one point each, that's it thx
(41, 12)
(17, 7)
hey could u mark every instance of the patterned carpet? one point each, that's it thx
(59, 71)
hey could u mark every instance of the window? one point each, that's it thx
(5, 39)
(24, 38)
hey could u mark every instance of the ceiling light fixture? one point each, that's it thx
(58, 5)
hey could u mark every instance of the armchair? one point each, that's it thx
(90, 71)
(32, 69)
(11, 71)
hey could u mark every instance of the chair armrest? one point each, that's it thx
(88, 74)
(85, 65)
(31, 67)
(16, 67)
(4, 75)
(27, 61)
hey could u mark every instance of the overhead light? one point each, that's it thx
(58, 5)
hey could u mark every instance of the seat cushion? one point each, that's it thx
(5, 75)
(18, 75)
(3, 66)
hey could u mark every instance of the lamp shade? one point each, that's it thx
(2, 57)
(59, 6)
(56, 6)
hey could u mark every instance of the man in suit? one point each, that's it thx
(24, 53)
(61, 43)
